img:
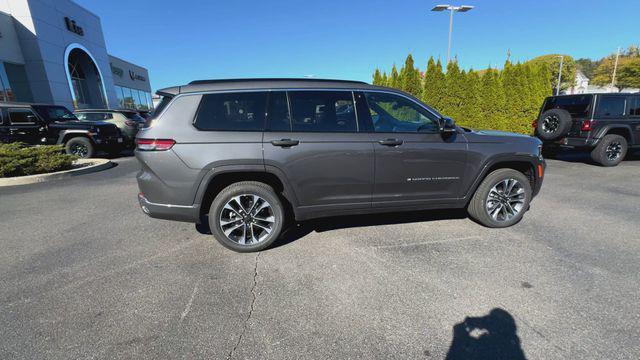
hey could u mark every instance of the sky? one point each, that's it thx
(180, 41)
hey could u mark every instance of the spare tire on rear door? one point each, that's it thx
(554, 124)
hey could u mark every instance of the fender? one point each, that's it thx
(607, 128)
(64, 133)
(500, 158)
(256, 168)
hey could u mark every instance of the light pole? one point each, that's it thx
(452, 9)
(559, 75)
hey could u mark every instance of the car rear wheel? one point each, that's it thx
(553, 124)
(501, 199)
(610, 151)
(80, 146)
(246, 216)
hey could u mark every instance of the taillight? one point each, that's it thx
(130, 123)
(587, 125)
(154, 144)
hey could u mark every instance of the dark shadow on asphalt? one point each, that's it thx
(578, 156)
(493, 336)
(123, 153)
(298, 230)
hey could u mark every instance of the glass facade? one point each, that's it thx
(14, 85)
(133, 98)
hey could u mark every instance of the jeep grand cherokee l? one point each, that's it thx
(248, 155)
(606, 125)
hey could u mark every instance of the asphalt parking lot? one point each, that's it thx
(85, 274)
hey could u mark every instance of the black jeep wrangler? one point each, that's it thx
(607, 125)
(36, 124)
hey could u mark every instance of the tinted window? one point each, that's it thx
(232, 111)
(322, 111)
(577, 106)
(94, 116)
(279, 119)
(54, 113)
(393, 113)
(634, 106)
(611, 106)
(21, 116)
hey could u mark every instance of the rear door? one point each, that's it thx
(634, 117)
(312, 138)
(414, 163)
(24, 126)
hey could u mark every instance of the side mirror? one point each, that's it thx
(447, 125)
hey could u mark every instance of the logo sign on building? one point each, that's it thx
(73, 27)
(116, 70)
(135, 76)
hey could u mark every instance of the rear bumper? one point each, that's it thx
(573, 142)
(187, 213)
(109, 142)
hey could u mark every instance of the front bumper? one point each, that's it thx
(540, 172)
(187, 213)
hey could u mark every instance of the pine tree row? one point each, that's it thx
(506, 100)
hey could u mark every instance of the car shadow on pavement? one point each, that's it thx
(577, 156)
(301, 229)
(493, 336)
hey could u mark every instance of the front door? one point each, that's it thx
(23, 126)
(414, 162)
(313, 140)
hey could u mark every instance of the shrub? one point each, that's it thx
(17, 159)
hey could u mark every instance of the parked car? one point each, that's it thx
(37, 124)
(247, 156)
(606, 125)
(129, 122)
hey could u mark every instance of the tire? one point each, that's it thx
(256, 237)
(610, 151)
(80, 146)
(478, 207)
(553, 124)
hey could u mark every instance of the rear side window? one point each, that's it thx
(634, 106)
(611, 106)
(232, 112)
(21, 116)
(577, 105)
(322, 111)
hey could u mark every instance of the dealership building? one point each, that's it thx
(53, 51)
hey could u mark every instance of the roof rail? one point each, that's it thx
(214, 81)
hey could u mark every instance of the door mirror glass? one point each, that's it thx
(447, 125)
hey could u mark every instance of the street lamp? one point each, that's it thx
(559, 75)
(452, 9)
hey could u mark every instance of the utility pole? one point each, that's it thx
(452, 9)
(615, 69)
(559, 75)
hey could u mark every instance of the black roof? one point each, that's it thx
(265, 83)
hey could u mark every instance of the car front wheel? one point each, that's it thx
(501, 199)
(246, 216)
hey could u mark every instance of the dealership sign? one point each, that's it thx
(73, 27)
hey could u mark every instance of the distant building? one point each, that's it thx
(581, 86)
(55, 52)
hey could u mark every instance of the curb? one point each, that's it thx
(97, 165)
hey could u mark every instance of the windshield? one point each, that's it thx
(55, 113)
(577, 105)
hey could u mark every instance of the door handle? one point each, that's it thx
(391, 142)
(285, 142)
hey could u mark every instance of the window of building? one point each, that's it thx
(232, 111)
(120, 96)
(322, 111)
(14, 85)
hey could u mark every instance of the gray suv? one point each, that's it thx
(248, 156)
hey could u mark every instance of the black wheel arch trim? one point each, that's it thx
(605, 130)
(73, 133)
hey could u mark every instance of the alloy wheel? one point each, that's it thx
(247, 219)
(613, 150)
(80, 150)
(550, 124)
(505, 200)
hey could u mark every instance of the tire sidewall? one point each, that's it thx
(482, 193)
(229, 192)
(600, 152)
(86, 142)
(563, 128)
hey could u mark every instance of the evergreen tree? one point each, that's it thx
(394, 79)
(377, 77)
(385, 79)
(471, 102)
(453, 91)
(410, 77)
(492, 102)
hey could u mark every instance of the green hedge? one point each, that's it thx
(17, 159)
